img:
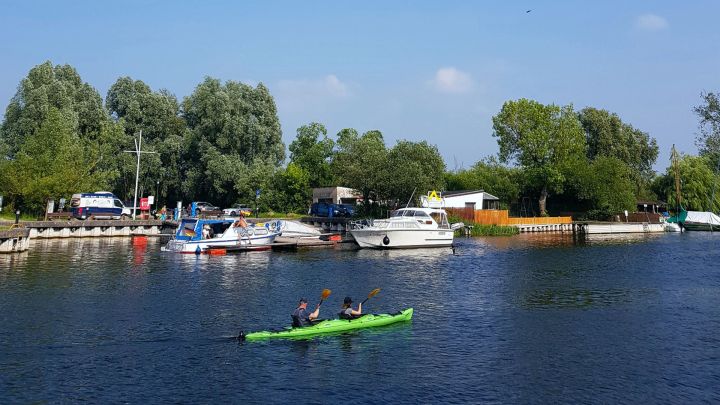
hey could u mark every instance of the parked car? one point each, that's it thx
(201, 206)
(238, 209)
(349, 209)
(100, 204)
(328, 210)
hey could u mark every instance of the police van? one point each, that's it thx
(100, 204)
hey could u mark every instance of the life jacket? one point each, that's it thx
(345, 315)
(297, 320)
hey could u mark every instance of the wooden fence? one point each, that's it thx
(502, 218)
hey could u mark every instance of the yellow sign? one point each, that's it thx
(433, 195)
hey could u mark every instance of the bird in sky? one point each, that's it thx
(528, 11)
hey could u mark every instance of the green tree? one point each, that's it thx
(46, 87)
(607, 135)
(699, 184)
(232, 126)
(51, 162)
(491, 176)
(290, 190)
(361, 162)
(312, 151)
(546, 141)
(708, 141)
(416, 166)
(607, 187)
(157, 114)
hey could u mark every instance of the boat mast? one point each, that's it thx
(676, 170)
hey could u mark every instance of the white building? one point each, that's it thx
(335, 195)
(475, 199)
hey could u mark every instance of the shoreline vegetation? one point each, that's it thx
(489, 230)
(223, 143)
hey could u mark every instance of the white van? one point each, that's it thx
(101, 204)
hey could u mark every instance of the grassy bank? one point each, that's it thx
(484, 230)
(492, 230)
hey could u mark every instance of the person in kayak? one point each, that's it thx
(300, 316)
(347, 312)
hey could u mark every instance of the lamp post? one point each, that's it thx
(157, 194)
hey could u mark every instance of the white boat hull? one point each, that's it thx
(402, 239)
(199, 246)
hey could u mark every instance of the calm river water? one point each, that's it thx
(526, 319)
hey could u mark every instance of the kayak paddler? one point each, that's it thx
(347, 312)
(301, 317)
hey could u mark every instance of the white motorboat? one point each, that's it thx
(195, 235)
(427, 226)
(295, 229)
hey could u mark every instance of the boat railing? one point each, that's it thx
(368, 223)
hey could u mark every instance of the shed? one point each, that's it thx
(475, 199)
(335, 195)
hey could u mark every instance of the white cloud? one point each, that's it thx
(651, 22)
(311, 95)
(328, 86)
(451, 80)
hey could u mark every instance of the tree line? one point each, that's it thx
(223, 142)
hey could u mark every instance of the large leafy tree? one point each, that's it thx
(233, 127)
(606, 185)
(547, 141)
(416, 167)
(361, 163)
(289, 190)
(47, 87)
(157, 114)
(700, 184)
(608, 136)
(312, 151)
(708, 140)
(53, 102)
(51, 162)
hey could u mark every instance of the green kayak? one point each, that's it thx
(332, 325)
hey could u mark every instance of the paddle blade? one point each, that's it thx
(326, 293)
(373, 293)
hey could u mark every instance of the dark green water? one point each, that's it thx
(526, 319)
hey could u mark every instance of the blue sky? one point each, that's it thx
(435, 71)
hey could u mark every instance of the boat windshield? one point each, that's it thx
(441, 219)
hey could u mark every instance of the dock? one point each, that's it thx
(329, 224)
(14, 240)
(591, 228)
(93, 228)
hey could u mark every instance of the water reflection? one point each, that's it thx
(13, 260)
(567, 239)
(583, 298)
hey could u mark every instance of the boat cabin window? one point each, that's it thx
(218, 229)
(408, 213)
(396, 213)
(421, 214)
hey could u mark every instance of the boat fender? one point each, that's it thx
(386, 240)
